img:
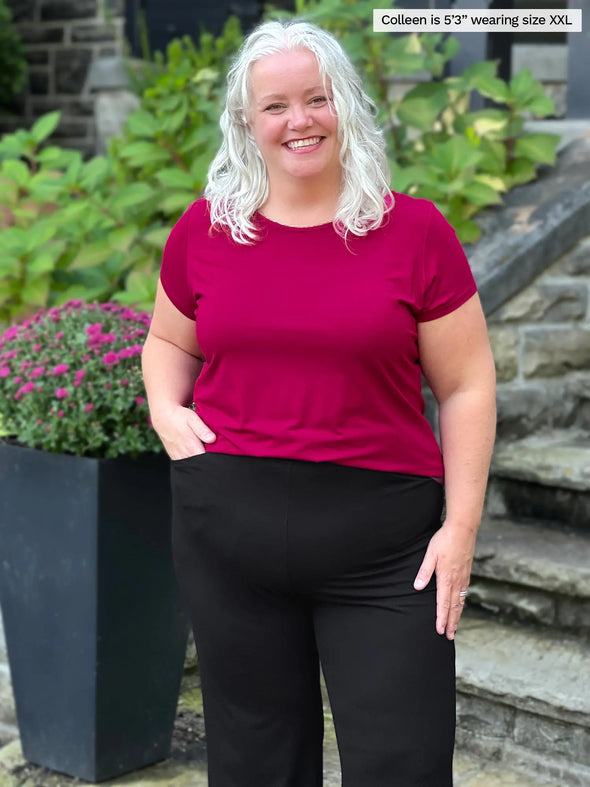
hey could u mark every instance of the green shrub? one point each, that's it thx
(95, 230)
(438, 149)
(12, 58)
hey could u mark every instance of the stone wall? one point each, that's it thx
(62, 38)
(541, 343)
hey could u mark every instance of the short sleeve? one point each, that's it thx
(447, 280)
(173, 273)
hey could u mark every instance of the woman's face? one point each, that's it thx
(291, 118)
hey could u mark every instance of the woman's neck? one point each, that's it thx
(301, 206)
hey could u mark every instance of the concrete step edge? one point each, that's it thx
(519, 666)
(534, 556)
(542, 770)
(560, 458)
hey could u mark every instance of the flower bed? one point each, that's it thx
(70, 381)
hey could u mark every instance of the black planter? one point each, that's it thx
(95, 630)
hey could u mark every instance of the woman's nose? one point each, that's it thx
(299, 117)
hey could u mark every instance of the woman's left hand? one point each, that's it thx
(449, 554)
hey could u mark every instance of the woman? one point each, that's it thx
(307, 484)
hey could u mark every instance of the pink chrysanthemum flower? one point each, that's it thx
(110, 359)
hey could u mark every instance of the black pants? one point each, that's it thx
(281, 561)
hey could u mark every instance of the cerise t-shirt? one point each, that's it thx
(310, 342)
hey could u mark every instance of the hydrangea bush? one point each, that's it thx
(70, 381)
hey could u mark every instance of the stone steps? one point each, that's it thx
(535, 406)
(543, 477)
(532, 573)
(524, 698)
(187, 766)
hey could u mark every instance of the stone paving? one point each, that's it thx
(187, 765)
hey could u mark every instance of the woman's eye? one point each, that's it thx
(319, 100)
(274, 107)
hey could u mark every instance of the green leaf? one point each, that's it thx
(205, 75)
(494, 182)
(540, 106)
(36, 291)
(143, 153)
(94, 173)
(142, 124)
(467, 231)
(176, 202)
(45, 186)
(174, 121)
(40, 233)
(488, 125)
(44, 262)
(17, 171)
(131, 195)
(450, 48)
(481, 194)
(421, 106)
(13, 241)
(157, 237)
(71, 213)
(91, 254)
(200, 168)
(141, 287)
(454, 156)
(175, 178)
(193, 139)
(45, 126)
(122, 238)
(55, 157)
(538, 147)
(9, 265)
(520, 170)
(493, 88)
(80, 292)
(11, 146)
(525, 88)
(483, 70)
(73, 169)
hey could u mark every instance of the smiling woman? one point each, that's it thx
(293, 122)
(300, 301)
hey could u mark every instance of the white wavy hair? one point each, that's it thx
(237, 181)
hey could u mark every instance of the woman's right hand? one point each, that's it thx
(182, 432)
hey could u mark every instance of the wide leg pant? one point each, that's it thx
(285, 563)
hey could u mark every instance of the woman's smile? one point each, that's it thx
(292, 119)
(304, 145)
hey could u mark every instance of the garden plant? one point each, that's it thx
(95, 230)
(70, 381)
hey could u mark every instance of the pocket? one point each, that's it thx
(186, 460)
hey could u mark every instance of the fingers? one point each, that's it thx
(201, 429)
(183, 433)
(449, 608)
(425, 571)
(449, 554)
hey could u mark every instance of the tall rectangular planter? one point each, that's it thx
(95, 629)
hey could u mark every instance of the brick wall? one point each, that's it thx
(62, 38)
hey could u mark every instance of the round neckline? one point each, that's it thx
(290, 228)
